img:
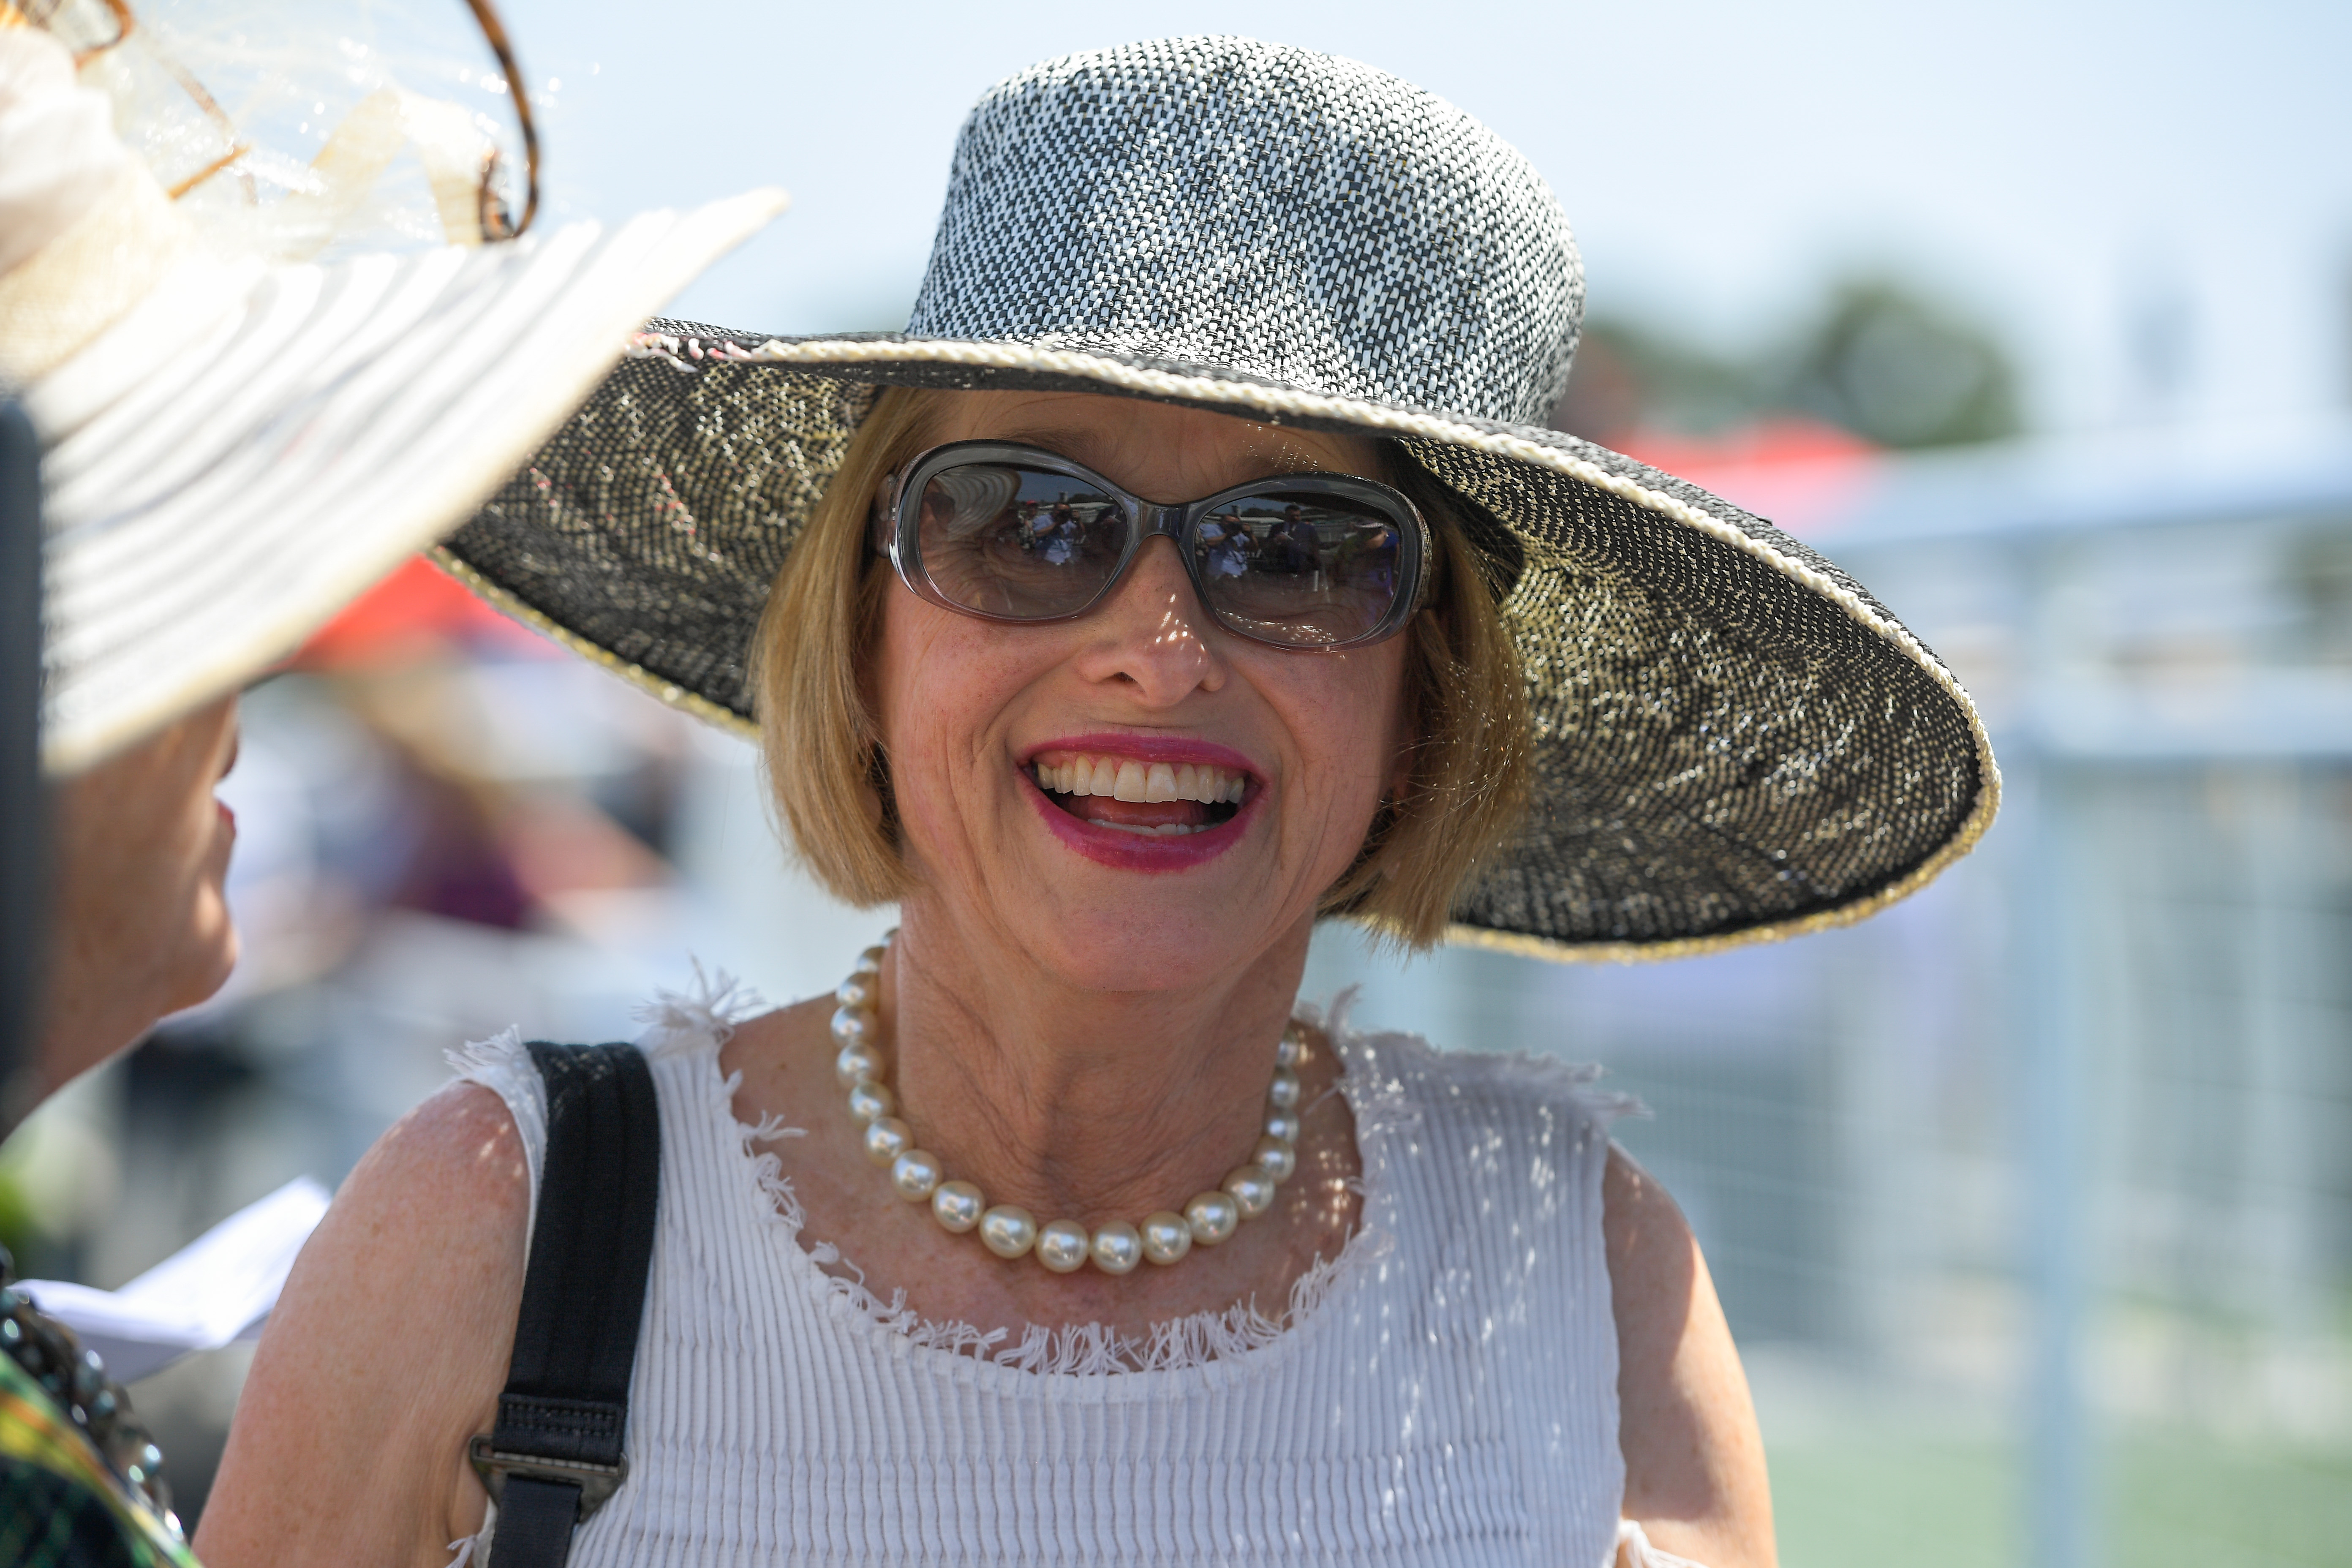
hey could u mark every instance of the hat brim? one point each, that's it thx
(251, 447)
(1734, 742)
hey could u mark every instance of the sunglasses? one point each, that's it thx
(1007, 533)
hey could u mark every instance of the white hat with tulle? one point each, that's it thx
(233, 446)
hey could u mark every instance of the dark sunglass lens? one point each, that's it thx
(1017, 543)
(1304, 568)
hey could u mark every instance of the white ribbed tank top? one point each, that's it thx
(1445, 1394)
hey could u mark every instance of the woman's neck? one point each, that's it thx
(1076, 1102)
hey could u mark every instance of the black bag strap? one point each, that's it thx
(24, 803)
(555, 1455)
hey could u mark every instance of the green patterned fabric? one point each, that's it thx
(60, 1507)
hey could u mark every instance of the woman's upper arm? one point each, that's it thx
(387, 1350)
(1693, 1461)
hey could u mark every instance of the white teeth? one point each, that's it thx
(1126, 779)
(1165, 829)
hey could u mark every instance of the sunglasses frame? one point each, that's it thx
(897, 534)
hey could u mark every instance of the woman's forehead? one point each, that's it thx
(1151, 445)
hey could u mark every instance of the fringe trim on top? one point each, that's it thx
(1073, 1349)
(784, 1210)
(704, 1014)
(1388, 1057)
(502, 1065)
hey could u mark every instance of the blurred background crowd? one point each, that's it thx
(2030, 1201)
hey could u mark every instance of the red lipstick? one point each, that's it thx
(1128, 850)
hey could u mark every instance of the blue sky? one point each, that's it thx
(2064, 169)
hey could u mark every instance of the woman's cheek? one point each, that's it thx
(1353, 722)
(941, 770)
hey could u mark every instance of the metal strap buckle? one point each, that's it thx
(597, 1483)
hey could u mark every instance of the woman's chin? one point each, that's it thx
(1106, 927)
(1168, 956)
(206, 960)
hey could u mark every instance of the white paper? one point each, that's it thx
(218, 1288)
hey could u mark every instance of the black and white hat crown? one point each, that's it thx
(1733, 741)
(1277, 212)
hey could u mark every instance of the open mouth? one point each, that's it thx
(1165, 800)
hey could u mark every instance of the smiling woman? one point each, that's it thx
(1462, 780)
(1195, 568)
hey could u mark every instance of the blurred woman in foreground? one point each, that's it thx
(193, 437)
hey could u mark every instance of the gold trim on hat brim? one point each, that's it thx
(668, 691)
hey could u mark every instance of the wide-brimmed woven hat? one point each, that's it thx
(1734, 741)
(232, 446)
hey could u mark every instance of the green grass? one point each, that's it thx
(2172, 1499)
(2178, 1500)
(1881, 1498)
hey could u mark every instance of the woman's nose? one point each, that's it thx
(1152, 631)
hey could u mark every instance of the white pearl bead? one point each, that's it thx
(915, 1173)
(857, 1063)
(1279, 1158)
(870, 961)
(859, 991)
(957, 1207)
(1166, 1237)
(1062, 1245)
(887, 1140)
(1008, 1230)
(851, 1024)
(1251, 1188)
(1118, 1247)
(1293, 1047)
(870, 1101)
(1282, 1125)
(1283, 1091)
(1212, 1216)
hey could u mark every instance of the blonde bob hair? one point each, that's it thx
(1466, 705)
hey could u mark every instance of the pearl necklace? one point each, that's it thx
(1009, 1231)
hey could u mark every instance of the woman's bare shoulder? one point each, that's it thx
(1694, 1459)
(386, 1353)
(1649, 1243)
(459, 1145)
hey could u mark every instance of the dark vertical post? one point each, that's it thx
(23, 809)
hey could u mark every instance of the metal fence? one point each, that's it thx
(2031, 1202)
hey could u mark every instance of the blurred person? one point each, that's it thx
(139, 922)
(207, 479)
(1063, 1229)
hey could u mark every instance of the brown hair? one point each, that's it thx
(1467, 704)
